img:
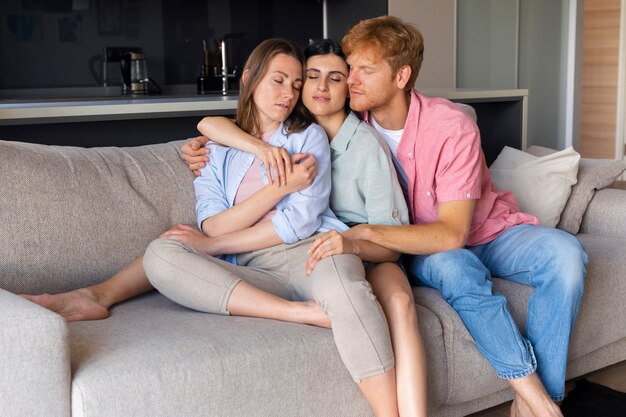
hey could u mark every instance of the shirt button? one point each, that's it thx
(395, 214)
(468, 195)
(428, 193)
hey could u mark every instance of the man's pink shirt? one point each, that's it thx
(441, 155)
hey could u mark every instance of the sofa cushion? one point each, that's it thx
(155, 358)
(593, 175)
(541, 185)
(80, 215)
(605, 214)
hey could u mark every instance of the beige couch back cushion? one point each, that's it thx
(72, 216)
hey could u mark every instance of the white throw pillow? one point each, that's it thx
(541, 185)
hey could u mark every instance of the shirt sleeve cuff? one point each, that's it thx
(283, 228)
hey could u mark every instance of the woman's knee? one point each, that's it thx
(341, 282)
(157, 258)
(398, 303)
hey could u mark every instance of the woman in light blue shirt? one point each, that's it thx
(240, 262)
(365, 189)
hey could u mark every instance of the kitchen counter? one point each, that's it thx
(106, 103)
(100, 116)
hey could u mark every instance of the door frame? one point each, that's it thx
(620, 125)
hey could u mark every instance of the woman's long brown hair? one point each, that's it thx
(257, 66)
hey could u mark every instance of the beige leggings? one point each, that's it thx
(204, 283)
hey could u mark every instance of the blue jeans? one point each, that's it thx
(550, 260)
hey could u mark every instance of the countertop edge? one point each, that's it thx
(52, 111)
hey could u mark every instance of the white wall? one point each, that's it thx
(543, 69)
(487, 44)
(542, 60)
(437, 21)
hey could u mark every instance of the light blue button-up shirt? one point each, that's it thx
(299, 214)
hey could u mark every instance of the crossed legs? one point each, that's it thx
(94, 302)
(387, 280)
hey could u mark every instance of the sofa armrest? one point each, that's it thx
(605, 214)
(34, 360)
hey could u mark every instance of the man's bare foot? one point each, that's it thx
(313, 314)
(531, 399)
(75, 305)
(519, 408)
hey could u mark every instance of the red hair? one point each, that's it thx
(391, 39)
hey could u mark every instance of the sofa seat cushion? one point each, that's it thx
(156, 358)
(153, 357)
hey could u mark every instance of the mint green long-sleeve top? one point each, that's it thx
(365, 186)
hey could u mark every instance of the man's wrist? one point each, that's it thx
(356, 248)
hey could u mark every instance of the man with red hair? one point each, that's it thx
(463, 229)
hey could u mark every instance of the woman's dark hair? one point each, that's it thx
(257, 65)
(327, 47)
(324, 47)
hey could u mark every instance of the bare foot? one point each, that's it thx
(75, 305)
(314, 315)
(519, 408)
(531, 399)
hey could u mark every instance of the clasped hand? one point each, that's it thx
(297, 171)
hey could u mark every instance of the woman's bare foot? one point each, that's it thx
(313, 314)
(77, 305)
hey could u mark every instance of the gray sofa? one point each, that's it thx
(71, 217)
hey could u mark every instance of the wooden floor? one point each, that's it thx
(613, 377)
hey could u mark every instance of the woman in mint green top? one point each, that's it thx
(365, 189)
